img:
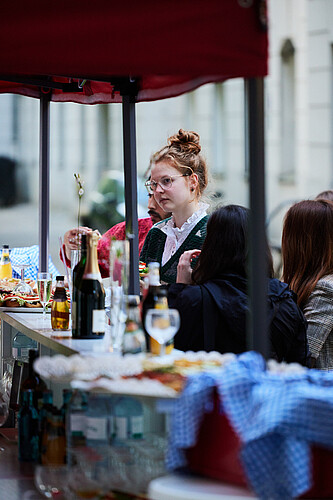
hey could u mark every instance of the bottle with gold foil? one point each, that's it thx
(60, 306)
(90, 304)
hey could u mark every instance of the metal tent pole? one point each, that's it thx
(44, 181)
(258, 338)
(132, 230)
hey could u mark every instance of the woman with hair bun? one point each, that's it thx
(178, 178)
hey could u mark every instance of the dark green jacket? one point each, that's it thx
(153, 248)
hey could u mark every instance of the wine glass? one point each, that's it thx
(162, 325)
(44, 286)
(51, 480)
(22, 287)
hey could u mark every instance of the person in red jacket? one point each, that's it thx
(156, 214)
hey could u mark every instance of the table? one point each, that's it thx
(188, 487)
(34, 326)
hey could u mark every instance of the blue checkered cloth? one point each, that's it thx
(277, 417)
(29, 255)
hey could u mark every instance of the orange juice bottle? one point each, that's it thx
(161, 303)
(5, 265)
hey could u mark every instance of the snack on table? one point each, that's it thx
(16, 300)
(143, 269)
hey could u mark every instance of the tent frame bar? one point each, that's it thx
(44, 181)
(131, 190)
(257, 331)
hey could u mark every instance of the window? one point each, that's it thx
(287, 100)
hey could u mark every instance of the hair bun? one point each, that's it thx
(186, 140)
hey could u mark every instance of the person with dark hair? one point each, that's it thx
(307, 253)
(213, 299)
(178, 178)
(325, 195)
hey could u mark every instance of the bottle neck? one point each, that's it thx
(92, 268)
(5, 256)
(154, 277)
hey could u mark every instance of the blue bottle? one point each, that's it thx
(128, 419)
(97, 424)
(28, 429)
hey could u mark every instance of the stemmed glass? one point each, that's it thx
(51, 481)
(162, 325)
(44, 286)
(22, 287)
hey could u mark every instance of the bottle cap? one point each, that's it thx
(133, 300)
(5, 246)
(60, 278)
(154, 265)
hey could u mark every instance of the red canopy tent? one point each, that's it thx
(130, 51)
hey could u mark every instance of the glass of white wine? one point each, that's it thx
(162, 325)
(44, 286)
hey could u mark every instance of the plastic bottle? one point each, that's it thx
(76, 280)
(34, 382)
(134, 340)
(128, 419)
(60, 306)
(5, 265)
(98, 425)
(21, 346)
(28, 429)
(76, 421)
(90, 304)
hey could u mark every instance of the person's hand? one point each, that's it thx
(184, 270)
(71, 239)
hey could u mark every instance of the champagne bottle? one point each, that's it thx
(60, 306)
(91, 296)
(76, 280)
(34, 382)
(5, 265)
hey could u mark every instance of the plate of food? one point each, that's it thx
(9, 299)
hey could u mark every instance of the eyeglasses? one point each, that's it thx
(165, 183)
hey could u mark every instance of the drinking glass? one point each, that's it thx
(44, 286)
(22, 287)
(51, 481)
(162, 325)
(119, 278)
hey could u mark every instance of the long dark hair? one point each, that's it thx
(225, 249)
(307, 246)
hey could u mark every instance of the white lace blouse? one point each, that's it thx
(177, 235)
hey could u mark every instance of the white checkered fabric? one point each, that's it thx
(29, 255)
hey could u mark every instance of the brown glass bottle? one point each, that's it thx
(152, 295)
(60, 306)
